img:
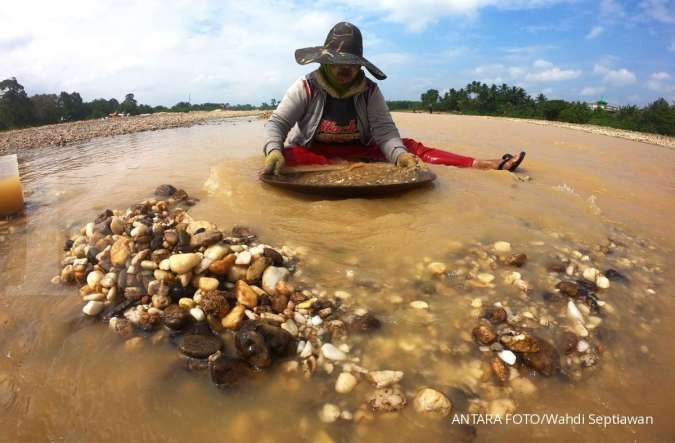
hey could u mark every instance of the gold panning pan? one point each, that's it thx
(350, 179)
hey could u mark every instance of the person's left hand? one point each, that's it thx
(407, 160)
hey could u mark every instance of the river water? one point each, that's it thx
(64, 378)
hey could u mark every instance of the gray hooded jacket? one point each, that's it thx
(301, 109)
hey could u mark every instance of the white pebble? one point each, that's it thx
(508, 357)
(345, 383)
(437, 268)
(93, 308)
(332, 353)
(502, 246)
(329, 413)
(307, 351)
(343, 295)
(486, 278)
(316, 321)
(197, 314)
(582, 346)
(243, 258)
(419, 304)
(291, 327)
(590, 274)
(602, 282)
(574, 312)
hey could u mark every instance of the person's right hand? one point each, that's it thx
(407, 160)
(274, 161)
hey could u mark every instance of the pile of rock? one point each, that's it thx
(225, 298)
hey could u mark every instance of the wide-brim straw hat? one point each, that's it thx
(343, 46)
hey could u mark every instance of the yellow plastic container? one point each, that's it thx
(11, 192)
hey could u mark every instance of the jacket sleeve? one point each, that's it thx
(287, 114)
(384, 131)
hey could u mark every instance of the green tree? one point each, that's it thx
(129, 105)
(45, 109)
(181, 107)
(553, 108)
(71, 107)
(101, 107)
(659, 117)
(15, 106)
(430, 97)
(576, 112)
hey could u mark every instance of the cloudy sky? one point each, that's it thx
(165, 51)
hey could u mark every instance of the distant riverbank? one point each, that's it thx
(644, 137)
(63, 133)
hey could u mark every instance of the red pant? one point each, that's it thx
(322, 154)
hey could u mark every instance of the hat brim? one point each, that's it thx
(318, 54)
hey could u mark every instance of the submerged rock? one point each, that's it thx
(387, 399)
(484, 334)
(364, 323)
(199, 346)
(432, 403)
(501, 371)
(165, 191)
(252, 348)
(495, 315)
(228, 372)
(546, 361)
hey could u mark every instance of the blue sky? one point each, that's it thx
(242, 52)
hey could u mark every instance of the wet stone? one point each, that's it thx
(199, 346)
(546, 361)
(568, 288)
(275, 257)
(175, 317)
(499, 368)
(252, 348)
(484, 334)
(521, 343)
(214, 302)
(228, 372)
(568, 342)
(279, 341)
(364, 323)
(387, 400)
(517, 260)
(494, 315)
(165, 191)
(614, 275)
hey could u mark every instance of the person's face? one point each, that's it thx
(344, 74)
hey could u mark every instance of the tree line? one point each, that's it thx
(478, 98)
(18, 110)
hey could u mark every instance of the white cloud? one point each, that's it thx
(661, 76)
(542, 64)
(541, 71)
(659, 10)
(554, 74)
(614, 77)
(595, 32)
(661, 82)
(528, 50)
(612, 9)
(671, 48)
(416, 15)
(592, 90)
(160, 50)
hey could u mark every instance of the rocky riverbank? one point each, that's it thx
(61, 134)
(654, 139)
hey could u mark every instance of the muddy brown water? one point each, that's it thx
(64, 378)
